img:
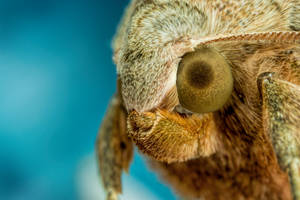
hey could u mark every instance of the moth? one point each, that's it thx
(209, 92)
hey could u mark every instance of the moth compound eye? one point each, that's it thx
(204, 81)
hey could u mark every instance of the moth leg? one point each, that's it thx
(169, 137)
(281, 113)
(114, 148)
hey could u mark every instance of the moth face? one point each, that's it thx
(204, 77)
(161, 62)
(158, 60)
(203, 83)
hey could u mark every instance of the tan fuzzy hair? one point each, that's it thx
(236, 158)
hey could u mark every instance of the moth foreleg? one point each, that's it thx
(114, 148)
(281, 114)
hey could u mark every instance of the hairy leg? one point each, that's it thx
(281, 113)
(114, 148)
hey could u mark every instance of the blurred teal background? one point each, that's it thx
(56, 79)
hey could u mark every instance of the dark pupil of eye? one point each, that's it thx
(200, 75)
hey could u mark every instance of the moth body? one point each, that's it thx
(196, 97)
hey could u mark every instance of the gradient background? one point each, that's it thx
(56, 79)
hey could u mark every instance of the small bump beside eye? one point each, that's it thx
(204, 81)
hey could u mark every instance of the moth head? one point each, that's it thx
(200, 82)
(157, 55)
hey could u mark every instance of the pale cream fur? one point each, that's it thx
(156, 33)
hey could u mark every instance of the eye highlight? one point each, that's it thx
(204, 81)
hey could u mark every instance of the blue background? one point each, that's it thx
(56, 79)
